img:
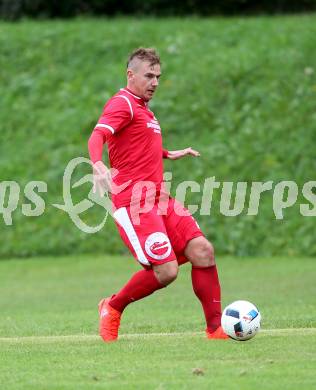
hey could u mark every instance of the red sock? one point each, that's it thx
(141, 284)
(207, 288)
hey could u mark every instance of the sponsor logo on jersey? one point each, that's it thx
(158, 246)
(154, 124)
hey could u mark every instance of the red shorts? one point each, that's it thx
(155, 238)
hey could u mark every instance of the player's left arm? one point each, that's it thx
(176, 154)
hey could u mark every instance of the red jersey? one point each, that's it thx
(133, 135)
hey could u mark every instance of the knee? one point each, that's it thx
(203, 255)
(167, 274)
(170, 276)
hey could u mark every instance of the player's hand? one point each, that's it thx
(175, 154)
(102, 179)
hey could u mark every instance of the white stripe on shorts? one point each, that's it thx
(122, 217)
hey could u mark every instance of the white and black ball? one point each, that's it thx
(241, 320)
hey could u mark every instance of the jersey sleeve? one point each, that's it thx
(117, 114)
(95, 145)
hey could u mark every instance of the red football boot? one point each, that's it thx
(217, 334)
(109, 321)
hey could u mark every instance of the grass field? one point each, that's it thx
(240, 90)
(48, 331)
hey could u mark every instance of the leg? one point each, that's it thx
(141, 284)
(144, 283)
(150, 245)
(166, 273)
(200, 253)
(190, 244)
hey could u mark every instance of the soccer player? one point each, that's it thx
(160, 233)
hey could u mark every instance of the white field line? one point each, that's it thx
(89, 337)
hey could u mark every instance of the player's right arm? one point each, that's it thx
(116, 115)
(101, 174)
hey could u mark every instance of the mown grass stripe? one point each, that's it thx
(87, 337)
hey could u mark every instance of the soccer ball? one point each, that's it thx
(241, 320)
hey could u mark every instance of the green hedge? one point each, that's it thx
(15, 9)
(242, 91)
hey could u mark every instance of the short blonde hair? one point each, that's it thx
(144, 54)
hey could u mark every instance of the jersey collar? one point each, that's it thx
(135, 96)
